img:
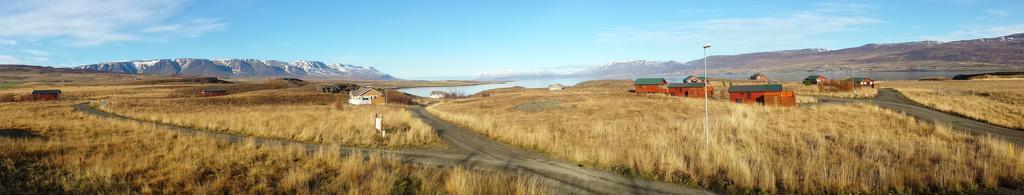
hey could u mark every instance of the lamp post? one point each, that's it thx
(707, 139)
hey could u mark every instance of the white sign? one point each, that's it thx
(378, 123)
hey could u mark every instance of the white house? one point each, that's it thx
(438, 94)
(365, 95)
(555, 87)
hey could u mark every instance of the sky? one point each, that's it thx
(439, 39)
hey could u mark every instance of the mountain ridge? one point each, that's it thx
(241, 67)
(997, 53)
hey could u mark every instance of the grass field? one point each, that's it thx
(1000, 101)
(813, 90)
(48, 148)
(311, 120)
(854, 148)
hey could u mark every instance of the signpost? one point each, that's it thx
(378, 124)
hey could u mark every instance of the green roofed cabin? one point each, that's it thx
(46, 95)
(771, 95)
(814, 79)
(693, 90)
(650, 85)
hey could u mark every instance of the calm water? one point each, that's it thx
(470, 90)
(792, 76)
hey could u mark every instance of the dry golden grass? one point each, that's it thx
(812, 149)
(813, 90)
(79, 154)
(296, 113)
(1000, 102)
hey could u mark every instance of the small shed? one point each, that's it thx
(758, 77)
(651, 85)
(46, 95)
(862, 82)
(438, 94)
(814, 79)
(693, 79)
(213, 91)
(769, 95)
(366, 95)
(555, 87)
(693, 90)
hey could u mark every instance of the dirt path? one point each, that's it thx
(468, 150)
(894, 100)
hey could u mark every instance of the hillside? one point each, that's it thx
(999, 53)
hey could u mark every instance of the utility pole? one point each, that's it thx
(707, 137)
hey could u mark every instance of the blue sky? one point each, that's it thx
(433, 39)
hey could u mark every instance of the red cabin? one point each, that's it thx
(651, 85)
(769, 95)
(863, 82)
(693, 90)
(46, 95)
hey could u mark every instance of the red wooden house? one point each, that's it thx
(693, 90)
(46, 95)
(770, 95)
(814, 79)
(650, 85)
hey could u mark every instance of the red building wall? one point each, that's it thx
(651, 88)
(45, 97)
(693, 92)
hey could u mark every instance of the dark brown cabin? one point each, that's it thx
(210, 92)
(46, 95)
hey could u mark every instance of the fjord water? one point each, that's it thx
(473, 89)
(785, 76)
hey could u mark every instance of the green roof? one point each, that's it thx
(685, 85)
(755, 88)
(649, 81)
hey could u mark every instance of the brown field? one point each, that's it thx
(813, 90)
(48, 148)
(999, 102)
(855, 148)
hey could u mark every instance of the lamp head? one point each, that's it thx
(707, 45)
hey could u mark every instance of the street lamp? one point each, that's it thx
(707, 140)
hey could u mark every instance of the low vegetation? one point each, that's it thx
(829, 148)
(999, 102)
(838, 89)
(54, 150)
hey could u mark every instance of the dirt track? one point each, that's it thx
(469, 150)
(894, 100)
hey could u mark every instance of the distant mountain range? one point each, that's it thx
(1006, 52)
(242, 68)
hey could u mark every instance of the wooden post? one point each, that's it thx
(378, 124)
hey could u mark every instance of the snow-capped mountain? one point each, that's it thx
(509, 74)
(242, 68)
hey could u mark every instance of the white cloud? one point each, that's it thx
(36, 52)
(192, 28)
(997, 13)
(976, 32)
(775, 31)
(6, 59)
(88, 22)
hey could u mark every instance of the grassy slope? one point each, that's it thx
(811, 149)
